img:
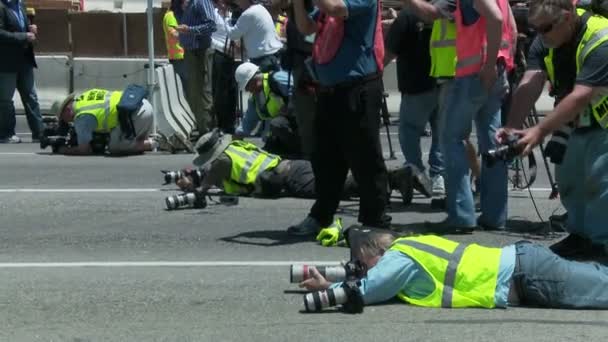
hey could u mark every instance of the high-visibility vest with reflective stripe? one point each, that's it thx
(268, 104)
(174, 50)
(595, 34)
(443, 49)
(281, 25)
(248, 161)
(471, 42)
(100, 103)
(464, 275)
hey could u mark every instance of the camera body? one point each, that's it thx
(505, 152)
(57, 133)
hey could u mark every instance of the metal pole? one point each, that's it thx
(151, 69)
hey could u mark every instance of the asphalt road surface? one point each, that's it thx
(88, 253)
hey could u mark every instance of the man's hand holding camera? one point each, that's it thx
(316, 283)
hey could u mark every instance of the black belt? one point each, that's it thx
(350, 83)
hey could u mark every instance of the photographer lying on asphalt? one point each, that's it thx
(127, 124)
(431, 271)
(242, 168)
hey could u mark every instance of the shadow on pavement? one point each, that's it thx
(266, 238)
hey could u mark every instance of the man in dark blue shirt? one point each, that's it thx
(347, 62)
(197, 22)
(17, 65)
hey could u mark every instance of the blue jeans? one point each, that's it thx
(468, 100)
(415, 111)
(23, 82)
(544, 279)
(583, 184)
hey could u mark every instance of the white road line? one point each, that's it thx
(162, 264)
(19, 154)
(79, 190)
(155, 190)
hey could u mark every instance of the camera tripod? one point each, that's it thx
(386, 121)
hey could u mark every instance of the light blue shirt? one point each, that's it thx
(397, 272)
(251, 118)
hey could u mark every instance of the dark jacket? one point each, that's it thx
(14, 47)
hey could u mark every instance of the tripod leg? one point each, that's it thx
(554, 187)
(387, 121)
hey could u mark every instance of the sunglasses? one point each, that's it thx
(547, 28)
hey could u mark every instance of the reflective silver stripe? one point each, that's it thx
(265, 163)
(427, 248)
(107, 111)
(588, 45)
(450, 275)
(444, 29)
(466, 62)
(444, 43)
(249, 159)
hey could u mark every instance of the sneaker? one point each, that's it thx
(401, 180)
(558, 222)
(11, 140)
(308, 226)
(438, 185)
(179, 141)
(572, 246)
(422, 182)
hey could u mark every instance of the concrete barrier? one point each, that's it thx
(172, 111)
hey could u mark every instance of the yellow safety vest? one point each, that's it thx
(268, 104)
(464, 275)
(174, 50)
(101, 104)
(595, 34)
(443, 48)
(248, 161)
(281, 25)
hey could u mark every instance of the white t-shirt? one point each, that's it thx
(256, 28)
(218, 38)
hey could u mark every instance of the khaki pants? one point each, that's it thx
(143, 123)
(198, 91)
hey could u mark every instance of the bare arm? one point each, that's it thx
(491, 12)
(527, 92)
(304, 23)
(333, 8)
(424, 10)
(567, 110)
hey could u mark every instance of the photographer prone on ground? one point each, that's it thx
(431, 271)
(96, 111)
(570, 51)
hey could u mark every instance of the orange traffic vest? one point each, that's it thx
(471, 42)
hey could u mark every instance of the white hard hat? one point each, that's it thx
(244, 73)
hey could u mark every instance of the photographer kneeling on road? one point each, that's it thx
(431, 271)
(96, 111)
(570, 51)
(270, 93)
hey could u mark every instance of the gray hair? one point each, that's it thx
(376, 245)
(550, 8)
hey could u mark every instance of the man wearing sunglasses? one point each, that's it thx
(571, 51)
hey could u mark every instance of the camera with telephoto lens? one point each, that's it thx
(174, 176)
(505, 152)
(348, 295)
(56, 134)
(194, 200)
(351, 270)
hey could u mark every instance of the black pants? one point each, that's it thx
(283, 139)
(298, 180)
(225, 93)
(347, 136)
(267, 63)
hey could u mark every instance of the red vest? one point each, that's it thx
(471, 42)
(330, 33)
